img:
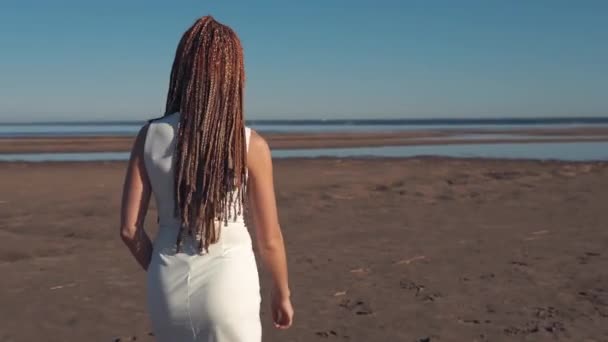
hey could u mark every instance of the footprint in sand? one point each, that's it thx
(425, 297)
(519, 263)
(410, 285)
(432, 297)
(533, 327)
(359, 307)
(381, 188)
(598, 298)
(527, 329)
(546, 312)
(474, 321)
(327, 333)
(584, 259)
(487, 276)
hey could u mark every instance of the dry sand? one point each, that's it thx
(425, 249)
(316, 140)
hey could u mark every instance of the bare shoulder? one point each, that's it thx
(258, 146)
(140, 140)
(259, 156)
(141, 135)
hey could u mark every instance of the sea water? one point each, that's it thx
(570, 151)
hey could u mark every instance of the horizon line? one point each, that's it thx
(364, 121)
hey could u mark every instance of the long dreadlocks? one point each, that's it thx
(206, 88)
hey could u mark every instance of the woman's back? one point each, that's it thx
(159, 158)
(189, 293)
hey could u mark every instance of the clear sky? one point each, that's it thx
(91, 60)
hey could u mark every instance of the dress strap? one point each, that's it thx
(247, 137)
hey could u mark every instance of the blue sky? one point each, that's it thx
(92, 60)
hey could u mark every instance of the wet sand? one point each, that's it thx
(318, 140)
(423, 249)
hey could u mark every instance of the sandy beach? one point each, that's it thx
(280, 141)
(423, 249)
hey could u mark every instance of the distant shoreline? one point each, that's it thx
(557, 120)
(279, 141)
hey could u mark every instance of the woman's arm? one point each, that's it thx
(135, 200)
(269, 238)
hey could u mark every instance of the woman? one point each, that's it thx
(205, 169)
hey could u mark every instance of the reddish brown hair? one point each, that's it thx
(206, 88)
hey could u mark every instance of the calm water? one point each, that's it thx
(304, 126)
(506, 136)
(578, 151)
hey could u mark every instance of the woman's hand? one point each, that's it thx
(282, 311)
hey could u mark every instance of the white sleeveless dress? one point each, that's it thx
(192, 297)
